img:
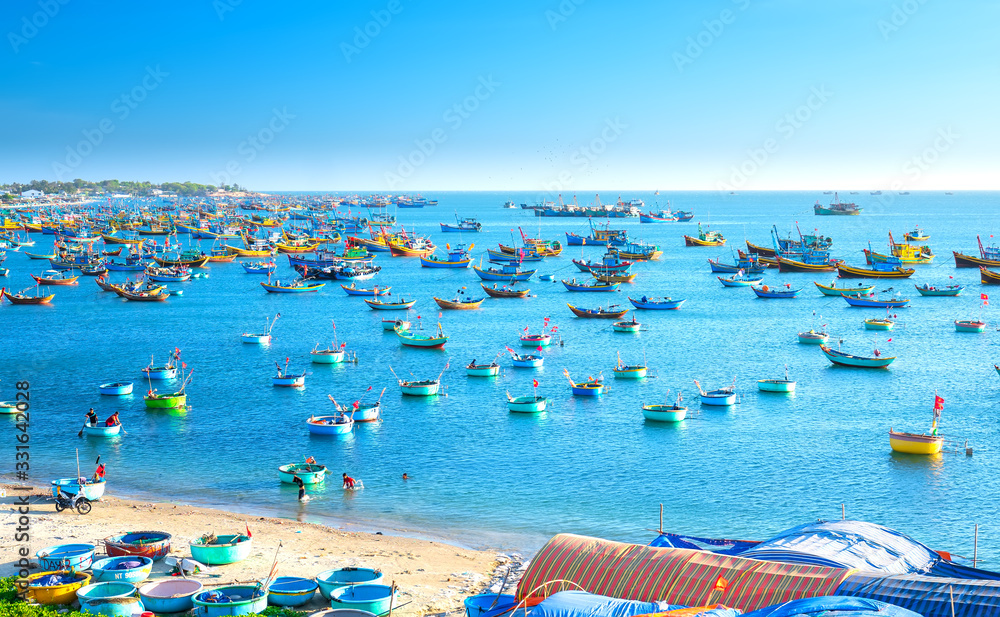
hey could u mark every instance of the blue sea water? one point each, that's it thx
(482, 476)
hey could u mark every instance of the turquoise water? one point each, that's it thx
(483, 476)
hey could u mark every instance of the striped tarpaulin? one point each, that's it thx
(678, 576)
(928, 595)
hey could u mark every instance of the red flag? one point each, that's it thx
(554, 328)
(369, 388)
(357, 404)
(888, 340)
(286, 360)
(249, 535)
(721, 584)
(539, 348)
(983, 297)
(342, 345)
(184, 365)
(440, 314)
(938, 402)
(534, 383)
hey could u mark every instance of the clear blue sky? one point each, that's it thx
(570, 96)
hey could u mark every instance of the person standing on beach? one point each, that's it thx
(302, 486)
(348, 481)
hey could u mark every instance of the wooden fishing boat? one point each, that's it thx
(573, 239)
(461, 302)
(189, 259)
(132, 264)
(40, 256)
(221, 256)
(739, 280)
(504, 292)
(304, 247)
(409, 338)
(833, 290)
(763, 251)
(793, 265)
(259, 267)
(526, 404)
(626, 326)
(220, 550)
(507, 272)
(612, 312)
(143, 296)
(482, 370)
(94, 270)
(637, 252)
(988, 277)
(525, 361)
(711, 238)
(169, 400)
(939, 290)
(876, 272)
(168, 275)
(113, 239)
(970, 325)
(299, 286)
(654, 303)
(340, 424)
(401, 304)
(115, 253)
(152, 545)
(376, 291)
(55, 277)
(573, 285)
(22, 298)
(776, 385)
(749, 264)
(879, 323)
(458, 257)
(245, 252)
(871, 301)
(118, 388)
(722, 397)
(913, 443)
(664, 412)
(917, 235)
(609, 264)
(905, 257)
(846, 359)
(613, 277)
(464, 224)
(765, 291)
(308, 473)
(522, 256)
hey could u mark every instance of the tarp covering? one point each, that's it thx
(847, 544)
(833, 606)
(723, 547)
(679, 576)
(927, 595)
(582, 604)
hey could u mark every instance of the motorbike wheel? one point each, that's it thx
(84, 506)
(60, 506)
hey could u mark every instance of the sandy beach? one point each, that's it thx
(433, 578)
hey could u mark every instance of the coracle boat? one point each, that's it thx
(765, 291)
(504, 292)
(587, 388)
(120, 388)
(573, 285)
(526, 404)
(102, 430)
(151, 544)
(172, 595)
(653, 303)
(723, 397)
(66, 556)
(213, 550)
(612, 312)
(879, 323)
(167, 371)
(309, 473)
(525, 361)
(285, 379)
(299, 286)
(970, 325)
(372, 599)
(939, 290)
(833, 290)
(167, 400)
(260, 338)
(846, 359)
(332, 580)
(109, 599)
(482, 370)
(711, 238)
(541, 339)
(664, 412)
(339, 424)
(409, 338)
(401, 304)
(71, 486)
(55, 277)
(812, 337)
(22, 298)
(121, 569)
(877, 271)
(913, 443)
(776, 385)
(376, 291)
(330, 355)
(291, 591)
(626, 326)
(55, 587)
(988, 256)
(626, 371)
(871, 301)
(426, 387)
(462, 301)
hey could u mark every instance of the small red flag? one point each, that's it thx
(184, 365)
(983, 297)
(534, 382)
(721, 584)
(938, 403)
(249, 535)
(287, 360)
(888, 340)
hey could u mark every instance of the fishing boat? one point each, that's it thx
(40, 255)
(462, 301)
(168, 275)
(917, 235)
(845, 359)
(765, 291)
(939, 290)
(872, 301)
(812, 337)
(591, 387)
(806, 264)
(169, 400)
(574, 285)
(547, 277)
(215, 550)
(833, 290)
(760, 250)
(55, 277)
(610, 263)
(749, 264)
(71, 486)
(878, 270)
(723, 397)
(152, 545)
(711, 238)
(119, 388)
(518, 257)
(507, 272)
(409, 338)
(458, 257)
(263, 338)
(915, 443)
(988, 277)
(340, 424)
(308, 473)
(526, 404)
(298, 286)
(133, 263)
(482, 370)
(739, 280)
(524, 360)
(656, 303)
(776, 385)
(879, 323)
(389, 325)
(836, 207)
(462, 224)
(102, 430)
(612, 312)
(425, 387)
(401, 304)
(192, 258)
(613, 277)
(21, 297)
(504, 291)
(259, 267)
(284, 379)
(988, 256)
(659, 412)
(376, 291)
(143, 296)
(629, 371)
(626, 326)
(970, 325)
(573, 239)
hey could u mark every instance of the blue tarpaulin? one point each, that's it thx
(927, 595)
(833, 606)
(583, 604)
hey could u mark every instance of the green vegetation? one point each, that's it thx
(115, 186)
(11, 606)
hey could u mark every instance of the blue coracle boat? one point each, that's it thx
(131, 569)
(230, 600)
(66, 556)
(291, 591)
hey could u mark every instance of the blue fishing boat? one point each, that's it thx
(215, 550)
(655, 303)
(66, 557)
(458, 257)
(339, 424)
(749, 265)
(130, 569)
(765, 291)
(298, 286)
(309, 473)
(120, 388)
(133, 263)
(375, 599)
(507, 272)
(524, 255)
(354, 290)
(71, 486)
(259, 267)
(574, 285)
(739, 280)
(331, 580)
(845, 359)
(167, 371)
(872, 301)
(611, 262)
(573, 239)
(291, 591)
(463, 224)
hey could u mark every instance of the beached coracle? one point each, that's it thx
(170, 595)
(66, 557)
(375, 599)
(291, 591)
(331, 580)
(110, 599)
(213, 550)
(152, 544)
(55, 587)
(230, 600)
(129, 569)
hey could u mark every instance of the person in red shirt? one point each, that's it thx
(348, 481)
(99, 473)
(112, 420)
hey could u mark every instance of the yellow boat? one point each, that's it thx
(242, 252)
(296, 248)
(56, 594)
(912, 443)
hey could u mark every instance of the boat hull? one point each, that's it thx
(664, 413)
(327, 356)
(256, 339)
(968, 261)
(102, 431)
(115, 389)
(843, 359)
(536, 340)
(910, 443)
(291, 381)
(630, 372)
(852, 272)
(230, 549)
(165, 401)
(150, 544)
(879, 324)
(420, 389)
(833, 290)
(775, 385)
(587, 389)
(948, 290)
(527, 404)
(867, 303)
(527, 362)
(309, 474)
(71, 486)
(483, 371)
(666, 305)
(970, 325)
(328, 425)
(718, 400)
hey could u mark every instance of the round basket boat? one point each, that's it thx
(230, 600)
(478, 605)
(66, 556)
(152, 544)
(342, 612)
(331, 580)
(291, 591)
(372, 598)
(170, 596)
(120, 388)
(61, 593)
(225, 549)
(129, 569)
(109, 599)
